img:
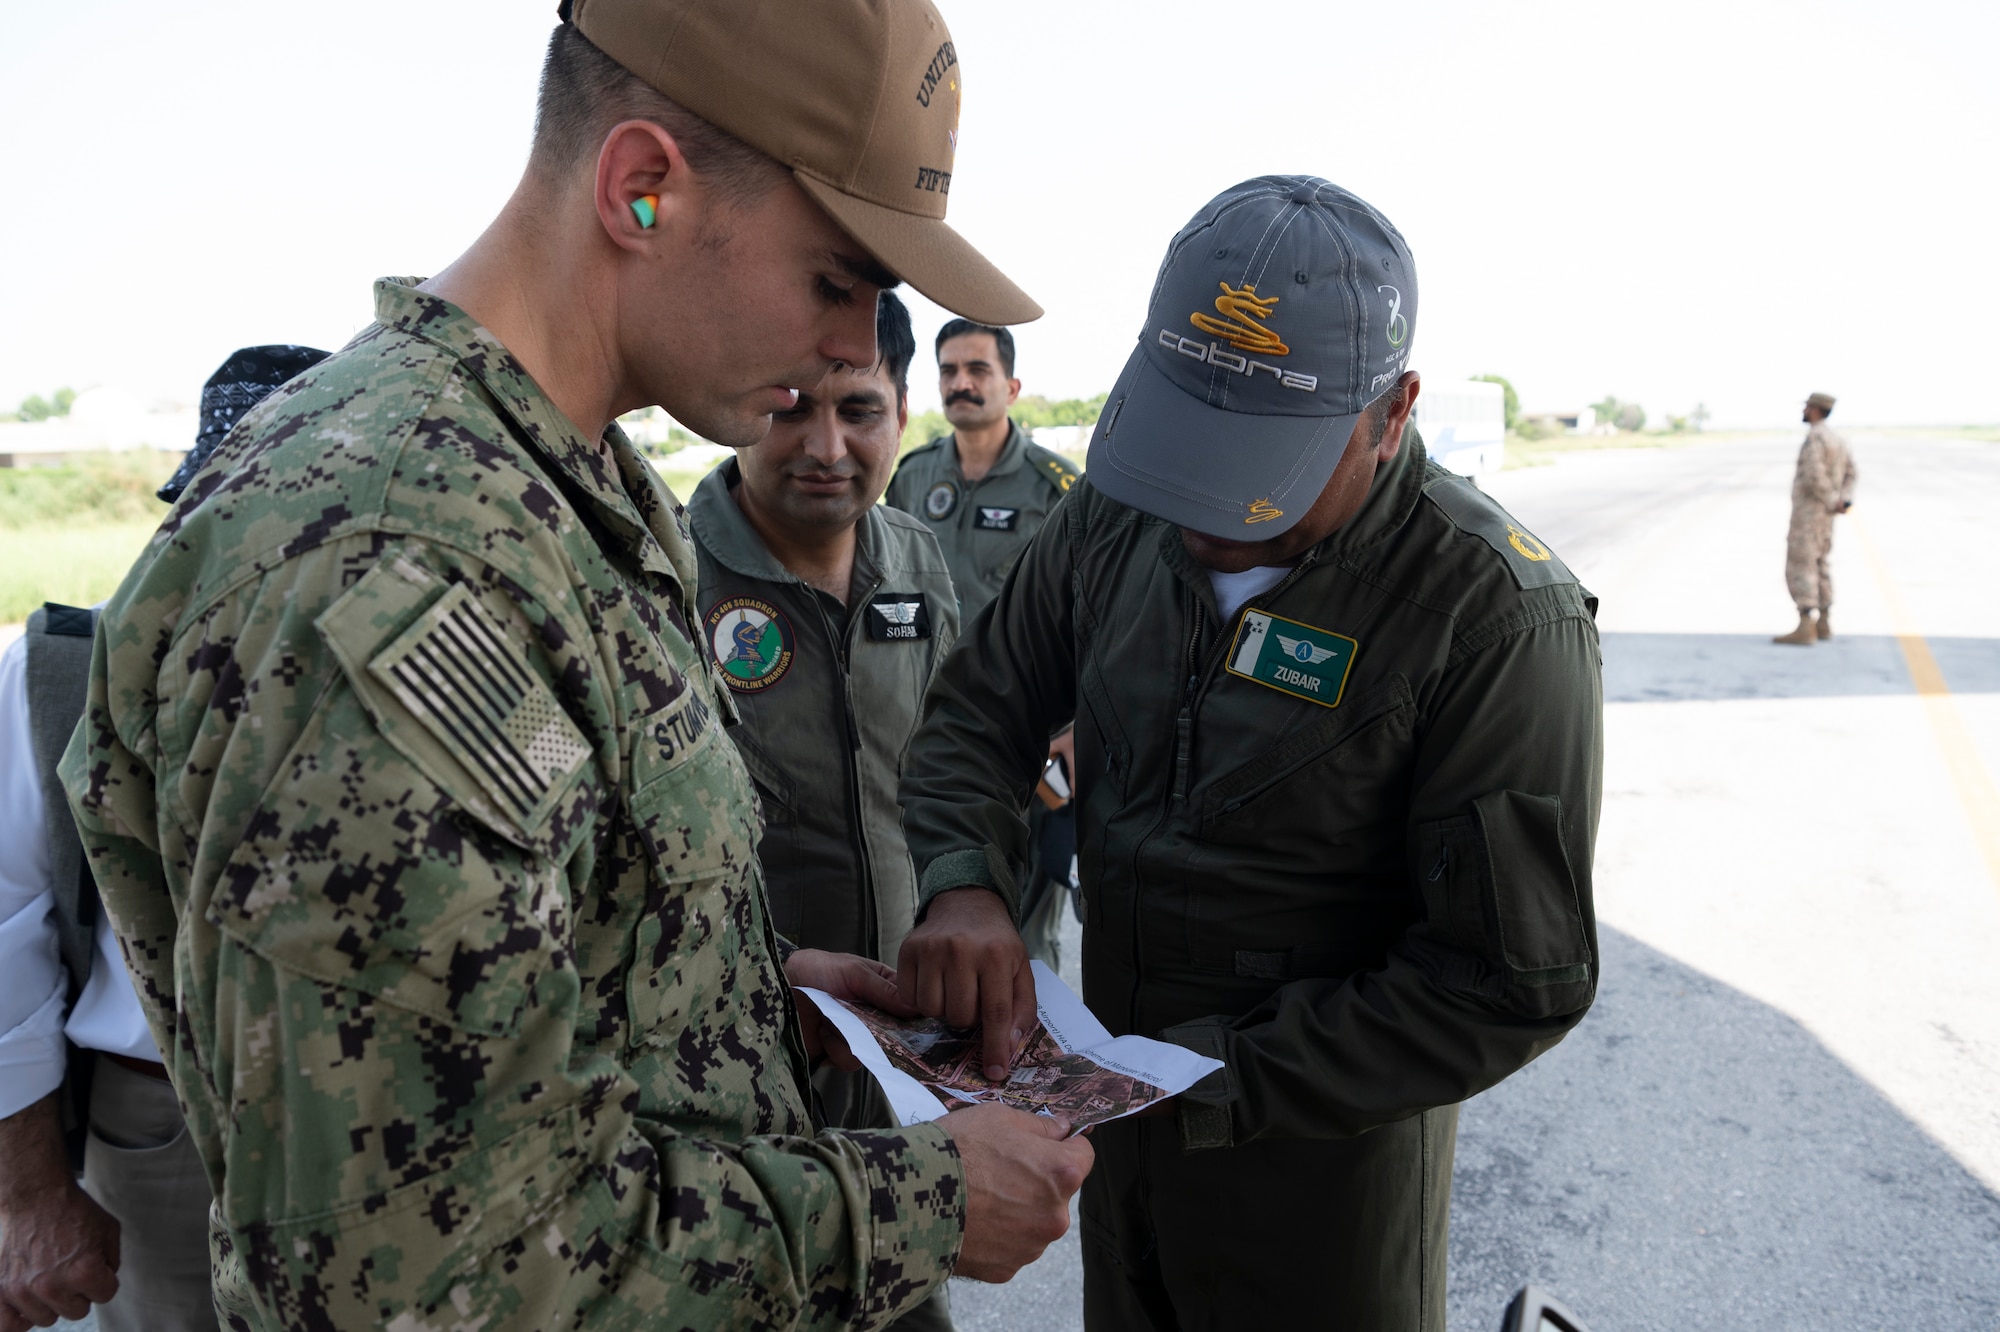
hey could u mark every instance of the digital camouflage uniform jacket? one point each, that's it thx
(984, 525)
(1341, 842)
(407, 791)
(829, 695)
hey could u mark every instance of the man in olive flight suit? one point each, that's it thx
(827, 615)
(405, 782)
(1338, 735)
(986, 489)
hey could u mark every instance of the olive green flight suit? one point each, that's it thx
(829, 698)
(1341, 841)
(984, 526)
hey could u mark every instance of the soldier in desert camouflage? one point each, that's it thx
(404, 779)
(1822, 488)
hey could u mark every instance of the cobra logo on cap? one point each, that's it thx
(1242, 325)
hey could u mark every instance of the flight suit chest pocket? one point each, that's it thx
(1338, 776)
(696, 814)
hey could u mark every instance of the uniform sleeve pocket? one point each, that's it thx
(1497, 884)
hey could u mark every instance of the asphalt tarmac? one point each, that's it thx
(1784, 1110)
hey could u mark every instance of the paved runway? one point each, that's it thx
(1784, 1111)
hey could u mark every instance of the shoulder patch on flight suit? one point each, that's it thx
(1055, 471)
(894, 616)
(1530, 562)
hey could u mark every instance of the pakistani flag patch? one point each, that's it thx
(1292, 658)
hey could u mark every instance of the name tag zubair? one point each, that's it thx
(1292, 657)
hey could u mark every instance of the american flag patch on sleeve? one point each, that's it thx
(456, 673)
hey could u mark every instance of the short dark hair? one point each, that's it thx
(1002, 338)
(585, 92)
(895, 342)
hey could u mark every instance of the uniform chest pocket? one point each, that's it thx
(696, 814)
(1322, 788)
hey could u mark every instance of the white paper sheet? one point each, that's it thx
(936, 1060)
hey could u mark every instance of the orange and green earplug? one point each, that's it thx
(646, 208)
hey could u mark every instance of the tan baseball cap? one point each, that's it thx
(859, 98)
(1823, 401)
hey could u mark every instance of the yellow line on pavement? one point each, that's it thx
(1961, 759)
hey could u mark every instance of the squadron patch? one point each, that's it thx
(997, 520)
(751, 642)
(1292, 657)
(898, 616)
(940, 500)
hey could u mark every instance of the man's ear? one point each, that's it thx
(637, 159)
(902, 415)
(1013, 391)
(1392, 429)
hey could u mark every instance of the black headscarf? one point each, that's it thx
(244, 380)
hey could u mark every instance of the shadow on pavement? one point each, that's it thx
(1691, 1159)
(1675, 668)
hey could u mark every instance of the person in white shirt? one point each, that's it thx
(132, 1238)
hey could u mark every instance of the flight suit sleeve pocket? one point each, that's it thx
(1497, 884)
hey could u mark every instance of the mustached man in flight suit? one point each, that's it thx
(1338, 737)
(827, 616)
(985, 489)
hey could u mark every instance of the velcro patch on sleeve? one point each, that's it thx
(456, 674)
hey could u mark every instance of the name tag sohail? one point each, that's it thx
(894, 616)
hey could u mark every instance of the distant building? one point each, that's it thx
(1581, 421)
(1072, 441)
(1464, 425)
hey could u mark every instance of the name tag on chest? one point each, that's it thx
(997, 520)
(898, 615)
(1292, 657)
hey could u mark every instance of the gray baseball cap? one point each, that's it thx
(1283, 309)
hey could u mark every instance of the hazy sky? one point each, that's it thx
(1735, 203)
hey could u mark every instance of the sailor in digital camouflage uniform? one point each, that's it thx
(986, 489)
(1822, 489)
(1337, 786)
(406, 786)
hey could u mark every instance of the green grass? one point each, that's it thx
(78, 565)
(69, 533)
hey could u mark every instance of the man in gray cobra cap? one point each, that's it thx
(1339, 752)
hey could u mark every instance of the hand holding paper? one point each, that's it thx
(1072, 1068)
